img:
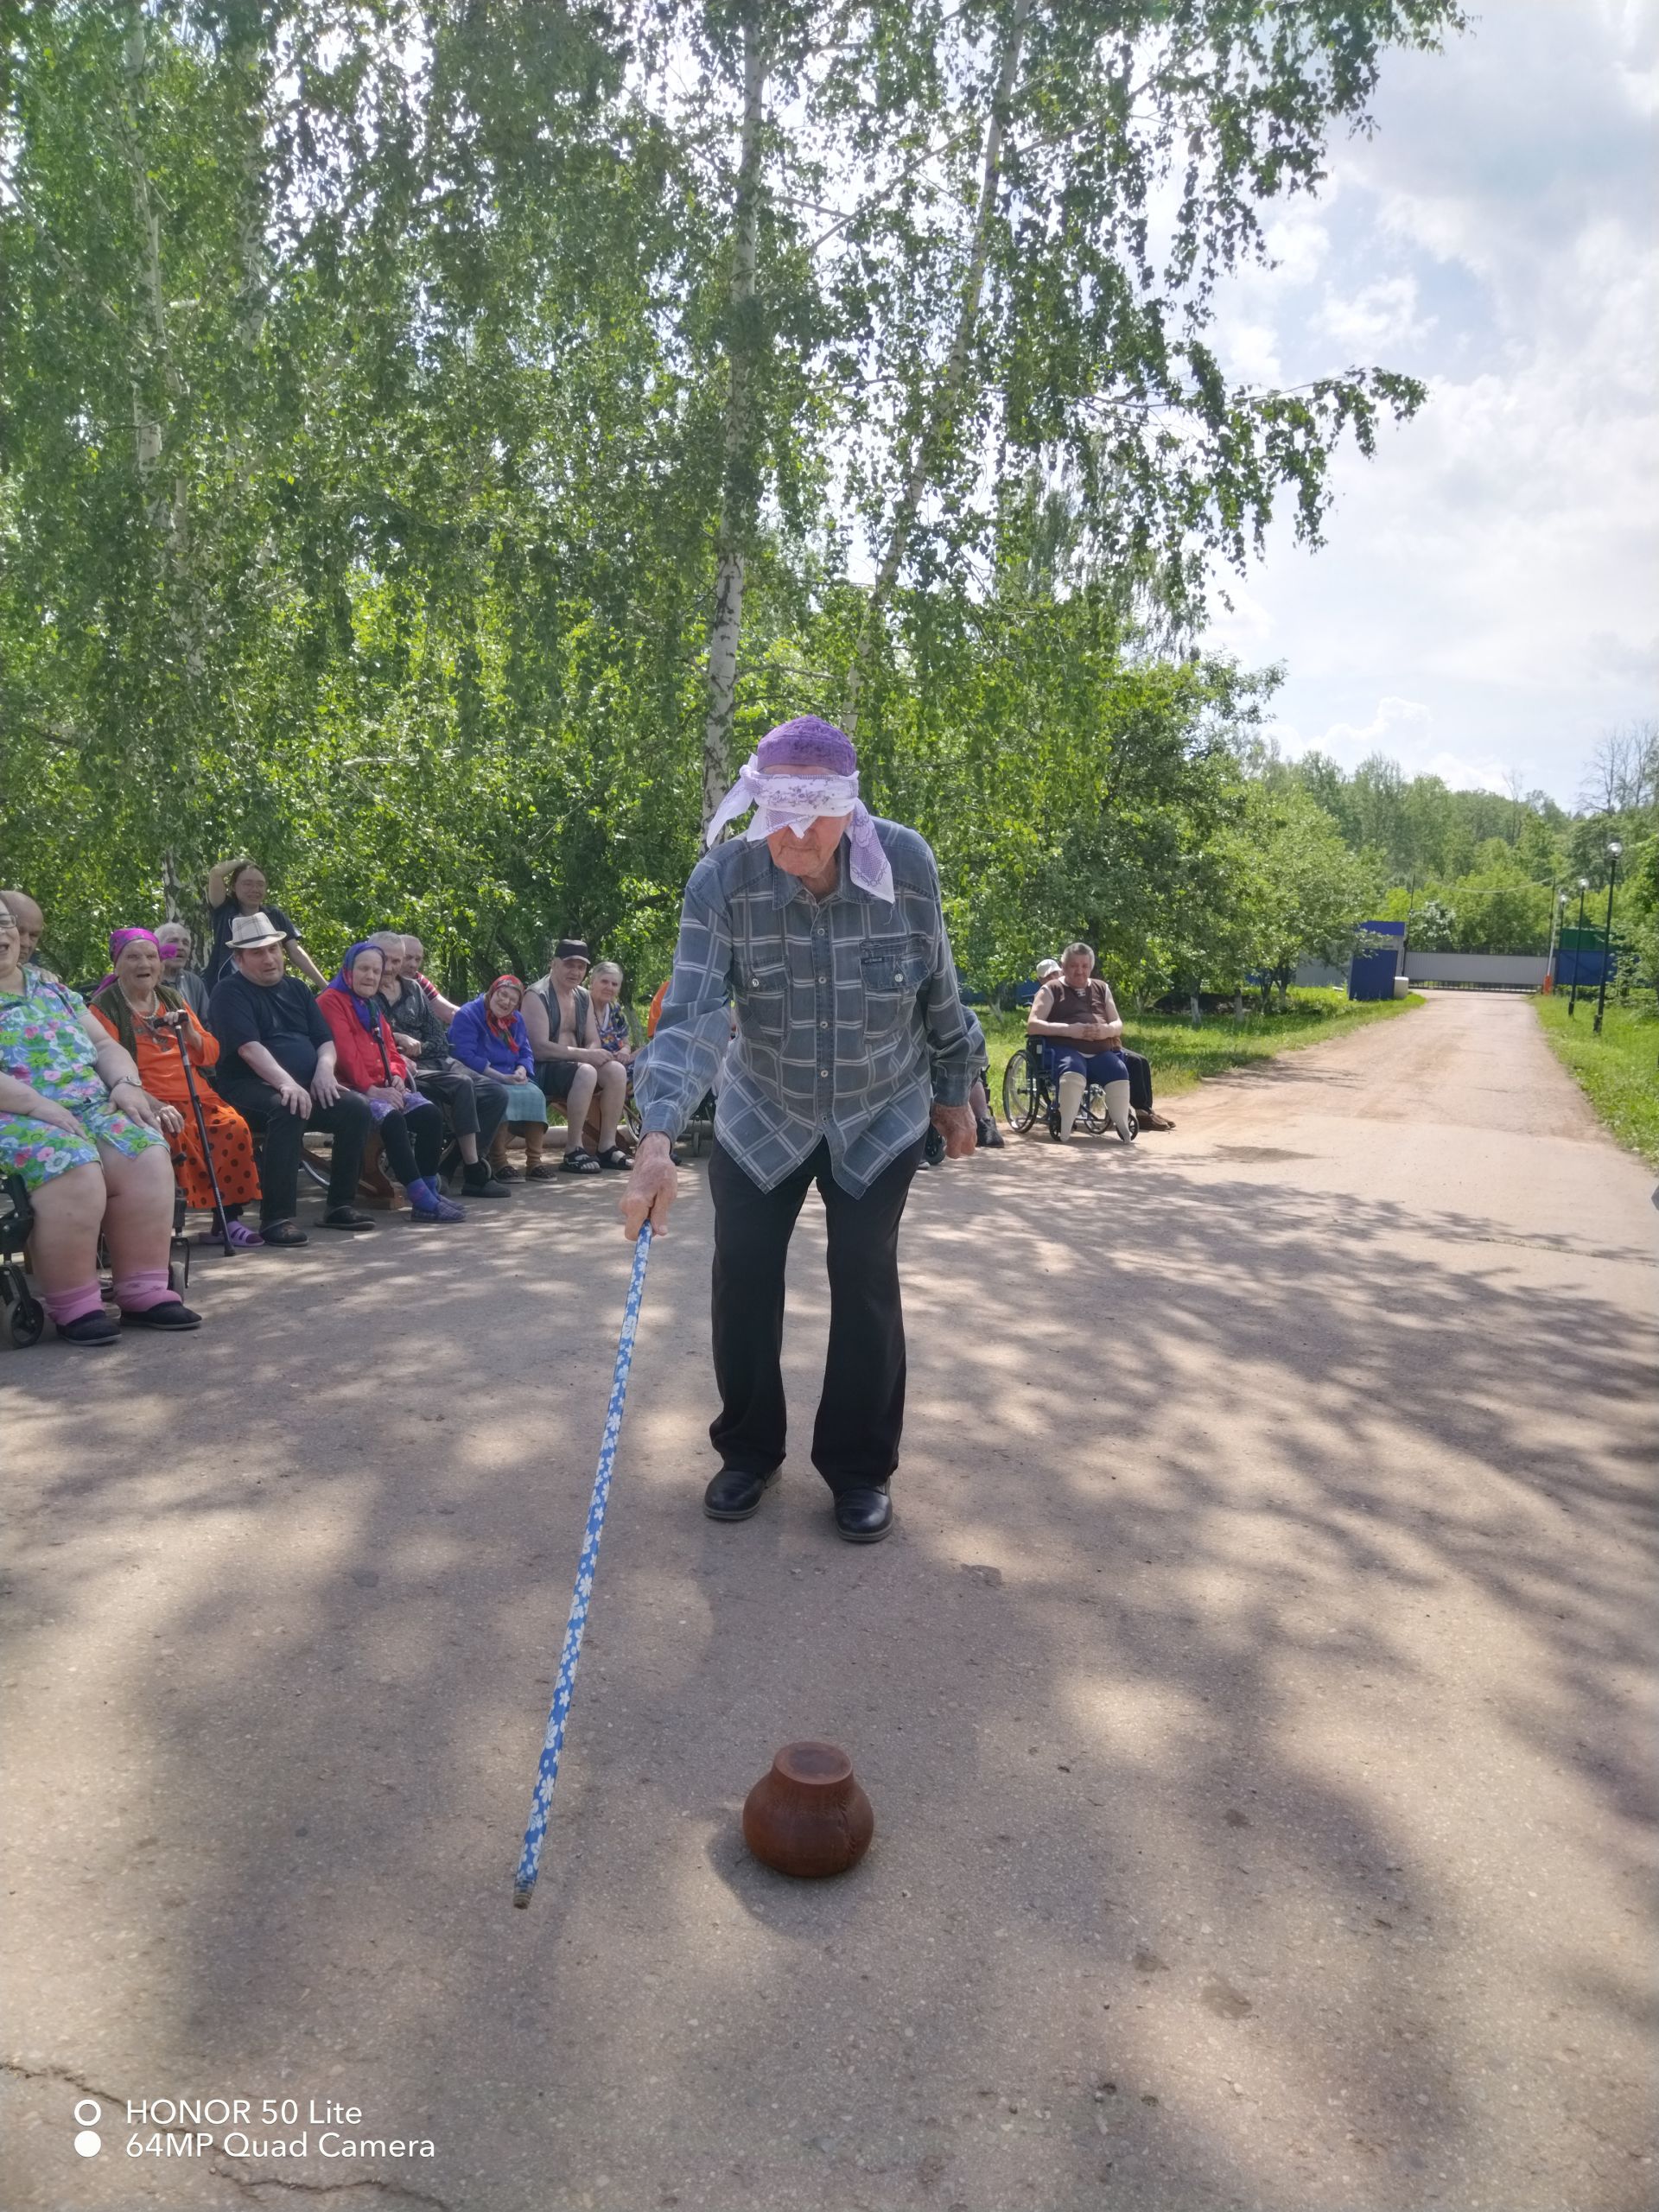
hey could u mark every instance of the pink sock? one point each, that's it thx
(71, 1305)
(142, 1288)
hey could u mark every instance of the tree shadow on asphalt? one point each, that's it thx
(1075, 1684)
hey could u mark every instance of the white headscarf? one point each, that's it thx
(795, 803)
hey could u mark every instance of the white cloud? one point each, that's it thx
(1496, 567)
(1383, 314)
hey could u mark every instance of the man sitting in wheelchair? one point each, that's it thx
(1076, 1023)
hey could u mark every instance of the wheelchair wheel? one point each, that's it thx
(25, 1321)
(1129, 1135)
(1020, 1098)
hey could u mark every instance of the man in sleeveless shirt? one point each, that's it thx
(1077, 1022)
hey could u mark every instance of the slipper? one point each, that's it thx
(169, 1315)
(1148, 1120)
(90, 1329)
(282, 1232)
(347, 1218)
(243, 1239)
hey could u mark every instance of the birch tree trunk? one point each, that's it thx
(166, 502)
(738, 487)
(942, 411)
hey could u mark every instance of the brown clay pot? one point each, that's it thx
(808, 1816)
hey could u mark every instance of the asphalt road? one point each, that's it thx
(1252, 1698)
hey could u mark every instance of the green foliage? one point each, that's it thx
(1619, 1070)
(364, 375)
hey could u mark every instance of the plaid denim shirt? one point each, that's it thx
(849, 1023)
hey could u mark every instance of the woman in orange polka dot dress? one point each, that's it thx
(134, 997)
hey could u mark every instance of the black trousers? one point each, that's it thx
(861, 1411)
(411, 1143)
(473, 1104)
(348, 1121)
(1140, 1080)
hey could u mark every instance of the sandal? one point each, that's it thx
(615, 1157)
(242, 1238)
(580, 1163)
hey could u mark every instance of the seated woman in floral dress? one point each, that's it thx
(368, 1060)
(152, 1020)
(78, 1129)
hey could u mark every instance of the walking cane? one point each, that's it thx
(155, 1024)
(524, 1882)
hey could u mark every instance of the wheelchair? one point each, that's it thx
(24, 1315)
(1028, 1092)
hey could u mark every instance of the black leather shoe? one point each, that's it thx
(863, 1516)
(733, 1495)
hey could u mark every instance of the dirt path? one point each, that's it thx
(1252, 1697)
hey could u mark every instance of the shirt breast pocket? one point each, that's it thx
(763, 1001)
(891, 980)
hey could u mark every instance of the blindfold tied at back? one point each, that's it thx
(795, 803)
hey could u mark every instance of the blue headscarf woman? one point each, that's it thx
(367, 1060)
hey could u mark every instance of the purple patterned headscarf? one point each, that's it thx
(799, 771)
(117, 939)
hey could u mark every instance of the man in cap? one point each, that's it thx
(277, 1068)
(823, 926)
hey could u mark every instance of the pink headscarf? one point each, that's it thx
(118, 938)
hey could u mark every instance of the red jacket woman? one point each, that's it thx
(367, 1057)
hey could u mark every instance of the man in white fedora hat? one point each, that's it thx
(277, 1068)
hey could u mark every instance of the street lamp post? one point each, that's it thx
(1614, 849)
(1573, 999)
(1557, 917)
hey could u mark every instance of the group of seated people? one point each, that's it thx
(214, 1076)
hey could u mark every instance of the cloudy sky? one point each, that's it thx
(1487, 599)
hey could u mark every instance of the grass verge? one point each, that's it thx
(1183, 1052)
(1617, 1071)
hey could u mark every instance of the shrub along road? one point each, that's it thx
(1249, 1698)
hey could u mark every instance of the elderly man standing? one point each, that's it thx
(822, 924)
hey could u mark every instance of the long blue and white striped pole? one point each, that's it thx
(524, 1882)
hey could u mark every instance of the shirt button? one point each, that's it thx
(823, 1025)
(824, 1072)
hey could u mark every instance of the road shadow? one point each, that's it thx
(1142, 1914)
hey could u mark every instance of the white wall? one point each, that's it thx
(1497, 970)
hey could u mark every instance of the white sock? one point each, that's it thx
(1117, 1103)
(1072, 1089)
